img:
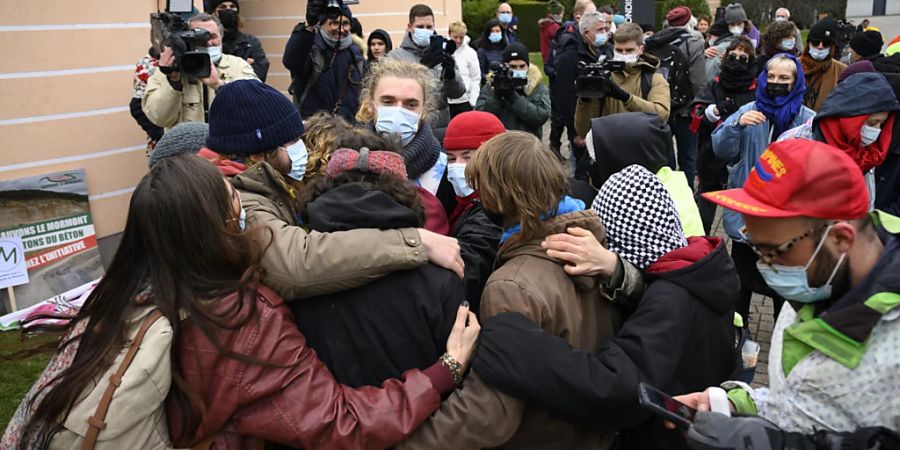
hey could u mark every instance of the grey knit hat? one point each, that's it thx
(735, 13)
(186, 137)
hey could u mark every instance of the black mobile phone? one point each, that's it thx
(665, 406)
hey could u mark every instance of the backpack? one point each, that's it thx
(673, 64)
(567, 29)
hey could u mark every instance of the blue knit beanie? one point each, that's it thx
(249, 117)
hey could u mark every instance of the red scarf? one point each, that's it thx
(844, 133)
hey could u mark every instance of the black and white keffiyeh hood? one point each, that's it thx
(641, 221)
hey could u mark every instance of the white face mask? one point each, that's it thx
(422, 36)
(819, 54)
(736, 30)
(780, 18)
(215, 53)
(868, 135)
(456, 174)
(242, 219)
(299, 157)
(787, 44)
(399, 120)
(632, 58)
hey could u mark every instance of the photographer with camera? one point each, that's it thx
(326, 66)
(515, 94)
(235, 41)
(421, 45)
(181, 91)
(632, 86)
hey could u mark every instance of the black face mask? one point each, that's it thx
(736, 74)
(229, 18)
(775, 90)
(495, 218)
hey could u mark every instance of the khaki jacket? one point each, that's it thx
(658, 99)
(137, 415)
(167, 107)
(528, 282)
(301, 264)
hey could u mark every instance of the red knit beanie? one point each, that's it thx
(678, 16)
(467, 131)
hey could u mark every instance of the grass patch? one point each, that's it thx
(16, 377)
(538, 60)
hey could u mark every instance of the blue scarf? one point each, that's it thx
(781, 111)
(566, 205)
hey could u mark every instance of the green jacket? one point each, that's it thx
(527, 112)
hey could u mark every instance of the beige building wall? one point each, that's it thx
(66, 81)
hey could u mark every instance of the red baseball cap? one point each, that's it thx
(799, 177)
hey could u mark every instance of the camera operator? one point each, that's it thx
(638, 88)
(326, 66)
(515, 94)
(237, 43)
(171, 98)
(421, 45)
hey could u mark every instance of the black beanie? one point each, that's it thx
(824, 30)
(212, 4)
(719, 28)
(249, 117)
(867, 43)
(516, 51)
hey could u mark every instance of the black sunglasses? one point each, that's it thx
(734, 57)
(816, 42)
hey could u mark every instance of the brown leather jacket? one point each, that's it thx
(527, 281)
(294, 400)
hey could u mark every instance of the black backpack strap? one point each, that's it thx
(646, 83)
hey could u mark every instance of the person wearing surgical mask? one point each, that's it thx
(516, 93)
(778, 38)
(490, 46)
(637, 88)
(807, 217)
(235, 41)
(505, 17)
(423, 46)
(820, 65)
(171, 98)
(478, 237)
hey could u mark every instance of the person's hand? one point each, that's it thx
(751, 118)
(582, 253)
(448, 67)
(616, 92)
(696, 400)
(443, 251)
(213, 79)
(249, 60)
(711, 52)
(578, 142)
(463, 336)
(166, 58)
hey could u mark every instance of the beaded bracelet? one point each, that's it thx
(448, 361)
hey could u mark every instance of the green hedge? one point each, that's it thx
(528, 13)
(476, 13)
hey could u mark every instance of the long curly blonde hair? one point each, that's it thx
(387, 68)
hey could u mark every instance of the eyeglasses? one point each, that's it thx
(734, 57)
(766, 257)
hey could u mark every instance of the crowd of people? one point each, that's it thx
(396, 257)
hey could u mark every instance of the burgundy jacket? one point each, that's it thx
(295, 400)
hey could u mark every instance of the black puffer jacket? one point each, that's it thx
(679, 339)
(247, 46)
(399, 322)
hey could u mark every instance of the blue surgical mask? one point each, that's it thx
(495, 37)
(787, 44)
(242, 219)
(819, 54)
(422, 36)
(868, 135)
(600, 39)
(792, 282)
(505, 17)
(397, 120)
(523, 73)
(299, 157)
(456, 174)
(215, 53)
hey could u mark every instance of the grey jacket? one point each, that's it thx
(455, 88)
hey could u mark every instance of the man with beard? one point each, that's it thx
(833, 362)
(235, 41)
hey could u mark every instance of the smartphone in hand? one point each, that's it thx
(665, 406)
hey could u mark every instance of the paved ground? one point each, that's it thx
(889, 25)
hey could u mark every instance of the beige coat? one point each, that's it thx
(301, 264)
(528, 282)
(658, 100)
(137, 415)
(167, 107)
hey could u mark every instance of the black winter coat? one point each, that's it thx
(479, 239)
(680, 339)
(343, 74)
(887, 177)
(247, 46)
(396, 323)
(562, 93)
(712, 170)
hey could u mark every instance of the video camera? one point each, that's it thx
(188, 45)
(594, 78)
(503, 80)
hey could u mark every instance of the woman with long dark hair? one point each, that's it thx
(238, 368)
(490, 46)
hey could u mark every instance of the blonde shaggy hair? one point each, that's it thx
(518, 177)
(389, 67)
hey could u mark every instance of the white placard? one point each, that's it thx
(13, 267)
